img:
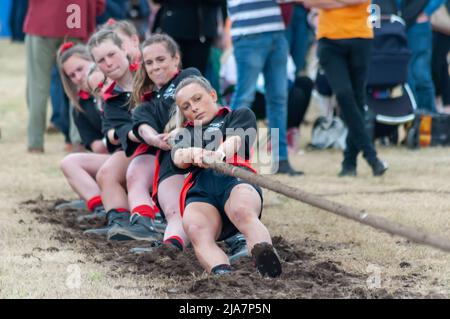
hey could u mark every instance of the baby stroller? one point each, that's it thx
(390, 100)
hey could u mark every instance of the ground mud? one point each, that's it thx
(304, 274)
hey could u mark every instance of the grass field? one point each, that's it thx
(415, 192)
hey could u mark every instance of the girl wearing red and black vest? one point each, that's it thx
(80, 169)
(106, 48)
(140, 171)
(154, 87)
(215, 206)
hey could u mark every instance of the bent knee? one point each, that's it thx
(135, 178)
(241, 214)
(196, 232)
(68, 163)
(103, 176)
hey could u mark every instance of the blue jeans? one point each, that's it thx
(60, 105)
(420, 41)
(298, 36)
(267, 53)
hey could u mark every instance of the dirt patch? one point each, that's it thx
(304, 274)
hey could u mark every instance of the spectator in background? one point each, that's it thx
(441, 79)
(193, 25)
(260, 45)
(139, 14)
(46, 25)
(115, 9)
(298, 34)
(345, 39)
(16, 18)
(416, 14)
(137, 11)
(60, 119)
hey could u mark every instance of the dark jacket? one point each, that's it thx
(411, 9)
(88, 122)
(189, 19)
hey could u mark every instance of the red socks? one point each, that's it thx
(144, 210)
(94, 202)
(176, 241)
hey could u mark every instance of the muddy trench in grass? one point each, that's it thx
(304, 274)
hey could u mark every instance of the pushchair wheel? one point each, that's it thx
(412, 139)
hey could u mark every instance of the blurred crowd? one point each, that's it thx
(242, 56)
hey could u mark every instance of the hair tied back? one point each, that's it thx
(111, 21)
(66, 46)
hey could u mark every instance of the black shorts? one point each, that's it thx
(144, 149)
(215, 188)
(166, 170)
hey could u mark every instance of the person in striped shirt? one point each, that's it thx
(260, 46)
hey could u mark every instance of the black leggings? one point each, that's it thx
(441, 79)
(346, 63)
(195, 53)
(298, 102)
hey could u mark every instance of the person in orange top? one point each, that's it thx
(345, 22)
(345, 40)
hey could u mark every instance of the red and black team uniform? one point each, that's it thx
(207, 185)
(89, 120)
(156, 112)
(117, 116)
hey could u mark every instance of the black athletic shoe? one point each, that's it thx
(77, 204)
(98, 213)
(266, 260)
(379, 167)
(139, 228)
(222, 269)
(285, 168)
(347, 171)
(238, 247)
(114, 218)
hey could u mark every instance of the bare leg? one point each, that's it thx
(203, 225)
(111, 179)
(168, 195)
(80, 170)
(243, 208)
(139, 180)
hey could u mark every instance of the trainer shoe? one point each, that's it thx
(347, 171)
(285, 168)
(98, 213)
(266, 260)
(293, 137)
(77, 204)
(35, 150)
(139, 228)
(114, 218)
(223, 269)
(379, 167)
(238, 247)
